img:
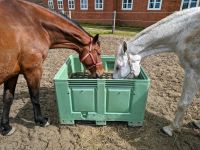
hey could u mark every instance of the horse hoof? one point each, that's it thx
(196, 123)
(167, 130)
(47, 124)
(44, 122)
(8, 132)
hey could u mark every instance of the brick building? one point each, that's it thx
(141, 13)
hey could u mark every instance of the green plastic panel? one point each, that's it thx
(118, 101)
(83, 100)
(100, 100)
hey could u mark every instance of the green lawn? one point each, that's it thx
(101, 29)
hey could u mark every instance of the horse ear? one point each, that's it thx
(124, 46)
(96, 38)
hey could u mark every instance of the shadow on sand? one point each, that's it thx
(146, 137)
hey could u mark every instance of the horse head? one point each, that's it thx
(91, 57)
(127, 65)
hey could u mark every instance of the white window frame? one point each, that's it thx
(99, 3)
(60, 8)
(189, 6)
(127, 8)
(148, 8)
(50, 4)
(86, 5)
(70, 8)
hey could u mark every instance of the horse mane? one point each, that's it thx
(73, 22)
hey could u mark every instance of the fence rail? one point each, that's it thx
(114, 17)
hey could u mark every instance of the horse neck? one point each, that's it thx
(62, 32)
(165, 35)
(65, 34)
(147, 44)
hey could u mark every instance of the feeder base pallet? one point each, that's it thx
(104, 123)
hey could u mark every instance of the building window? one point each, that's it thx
(99, 4)
(50, 4)
(71, 4)
(154, 4)
(60, 4)
(189, 4)
(84, 4)
(127, 4)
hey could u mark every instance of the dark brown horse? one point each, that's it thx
(27, 31)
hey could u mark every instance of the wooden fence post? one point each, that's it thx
(70, 14)
(114, 19)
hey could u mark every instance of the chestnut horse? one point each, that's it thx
(27, 31)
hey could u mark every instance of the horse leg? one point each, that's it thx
(33, 78)
(8, 96)
(190, 87)
(196, 123)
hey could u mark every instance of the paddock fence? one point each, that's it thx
(111, 19)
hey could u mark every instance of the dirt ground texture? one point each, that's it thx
(166, 83)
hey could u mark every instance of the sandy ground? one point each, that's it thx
(166, 83)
